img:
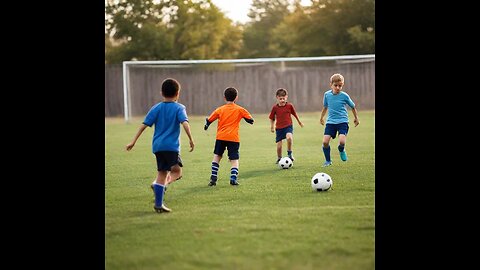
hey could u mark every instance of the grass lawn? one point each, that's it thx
(272, 220)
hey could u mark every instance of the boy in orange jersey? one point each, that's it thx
(229, 117)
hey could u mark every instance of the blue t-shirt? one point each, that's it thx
(336, 104)
(167, 117)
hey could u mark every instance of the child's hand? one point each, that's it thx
(206, 124)
(356, 121)
(322, 121)
(272, 129)
(250, 121)
(129, 146)
(192, 146)
(301, 124)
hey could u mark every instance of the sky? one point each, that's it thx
(237, 10)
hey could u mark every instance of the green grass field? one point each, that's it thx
(273, 220)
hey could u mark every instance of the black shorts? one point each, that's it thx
(232, 148)
(167, 159)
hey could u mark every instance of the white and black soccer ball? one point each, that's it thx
(285, 163)
(321, 182)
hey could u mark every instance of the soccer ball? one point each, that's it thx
(285, 163)
(321, 182)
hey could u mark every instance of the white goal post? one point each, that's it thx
(128, 64)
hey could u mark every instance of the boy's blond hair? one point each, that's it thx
(337, 77)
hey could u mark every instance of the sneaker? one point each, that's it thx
(343, 155)
(162, 209)
(291, 157)
(234, 183)
(212, 183)
(278, 160)
(327, 163)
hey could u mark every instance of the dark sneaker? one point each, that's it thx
(343, 155)
(234, 183)
(278, 160)
(162, 209)
(212, 183)
(291, 157)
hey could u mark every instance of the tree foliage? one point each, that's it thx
(197, 29)
(156, 30)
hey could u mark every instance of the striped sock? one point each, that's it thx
(233, 174)
(215, 167)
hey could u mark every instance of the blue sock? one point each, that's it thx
(215, 167)
(158, 190)
(326, 152)
(233, 174)
(289, 153)
(341, 147)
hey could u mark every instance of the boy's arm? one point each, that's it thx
(294, 113)
(186, 126)
(355, 120)
(272, 124)
(324, 110)
(298, 120)
(139, 132)
(210, 120)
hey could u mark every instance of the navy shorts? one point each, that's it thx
(332, 129)
(232, 148)
(282, 133)
(167, 159)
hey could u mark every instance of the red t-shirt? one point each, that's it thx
(283, 115)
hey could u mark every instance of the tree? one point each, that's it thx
(265, 15)
(176, 29)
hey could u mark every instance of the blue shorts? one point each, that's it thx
(332, 129)
(167, 159)
(232, 148)
(282, 133)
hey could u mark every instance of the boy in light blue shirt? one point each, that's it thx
(335, 102)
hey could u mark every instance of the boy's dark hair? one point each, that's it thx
(281, 92)
(230, 93)
(170, 87)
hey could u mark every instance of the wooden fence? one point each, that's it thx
(203, 85)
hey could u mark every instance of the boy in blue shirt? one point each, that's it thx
(335, 101)
(167, 116)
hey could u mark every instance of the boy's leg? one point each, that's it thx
(215, 167)
(234, 172)
(289, 145)
(279, 151)
(326, 150)
(341, 146)
(158, 189)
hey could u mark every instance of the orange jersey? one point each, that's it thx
(229, 117)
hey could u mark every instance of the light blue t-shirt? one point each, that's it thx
(167, 117)
(336, 104)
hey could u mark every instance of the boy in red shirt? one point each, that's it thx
(229, 117)
(281, 113)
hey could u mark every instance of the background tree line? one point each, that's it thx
(197, 29)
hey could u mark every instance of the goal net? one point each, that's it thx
(203, 82)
